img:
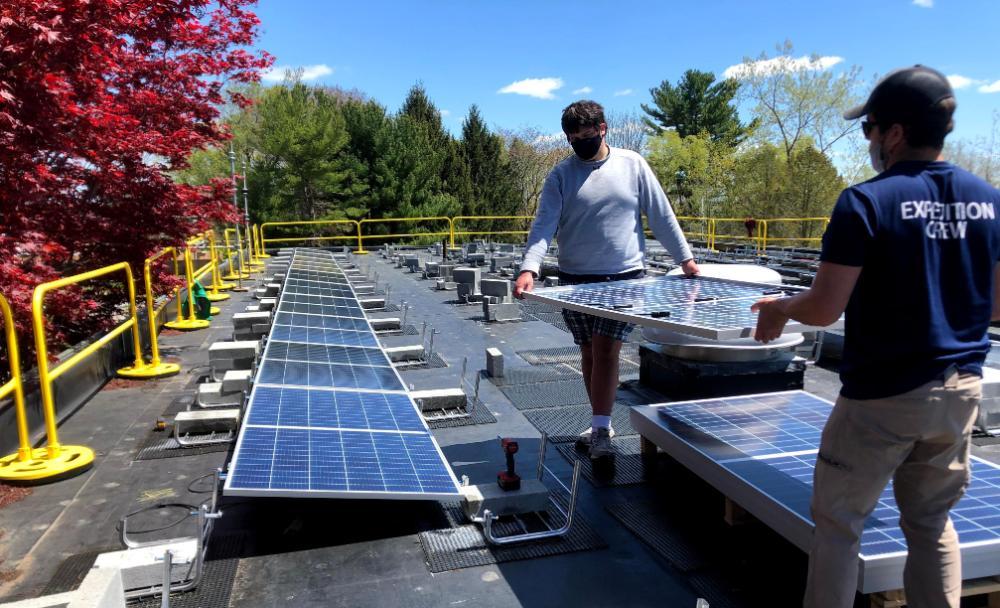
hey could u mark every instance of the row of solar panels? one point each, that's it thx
(328, 415)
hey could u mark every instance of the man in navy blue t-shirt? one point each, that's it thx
(911, 255)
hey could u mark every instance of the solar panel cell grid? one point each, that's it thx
(302, 460)
(336, 307)
(708, 307)
(295, 407)
(976, 517)
(291, 351)
(296, 373)
(314, 335)
(755, 425)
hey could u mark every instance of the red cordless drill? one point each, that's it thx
(509, 480)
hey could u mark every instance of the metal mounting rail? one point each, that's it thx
(487, 519)
(206, 515)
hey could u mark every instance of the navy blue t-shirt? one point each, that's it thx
(927, 237)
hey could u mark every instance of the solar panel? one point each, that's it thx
(320, 408)
(976, 517)
(328, 415)
(336, 375)
(298, 298)
(752, 425)
(760, 450)
(317, 335)
(702, 306)
(347, 464)
(291, 351)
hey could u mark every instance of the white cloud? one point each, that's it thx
(623, 92)
(960, 82)
(583, 91)
(542, 88)
(765, 67)
(924, 3)
(309, 72)
(446, 113)
(994, 87)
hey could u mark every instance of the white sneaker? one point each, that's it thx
(600, 444)
(583, 440)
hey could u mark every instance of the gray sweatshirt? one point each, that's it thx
(597, 208)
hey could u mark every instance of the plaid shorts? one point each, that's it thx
(584, 326)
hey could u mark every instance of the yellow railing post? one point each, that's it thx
(234, 273)
(259, 234)
(198, 274)
(252, 262)
(361, 245)
(255, 263)
(155, 368)
(216, 295)
(62, 460)
(192, 322)
(14, 466)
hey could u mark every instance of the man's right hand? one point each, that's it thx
(525, 282)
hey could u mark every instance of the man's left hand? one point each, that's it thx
(690, 268)
(770, 320)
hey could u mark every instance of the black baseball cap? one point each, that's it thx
(909, 92)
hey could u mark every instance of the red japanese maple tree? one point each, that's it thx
(99, 101)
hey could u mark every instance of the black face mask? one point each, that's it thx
(587, 148)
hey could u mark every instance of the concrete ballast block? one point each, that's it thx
(494, 362)
(207, 421)
(236, 380)
(440, 398)
(533, 497)
(496, 287)
(246, 320)
(466, 275)
(229, 350)
(385, 324)
(405, 353)
(367, 303)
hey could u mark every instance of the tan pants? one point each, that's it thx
(920, 440)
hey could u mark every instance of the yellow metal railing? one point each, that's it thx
(191, 321)
(234, 272)
(709, 231)
(450, 233)
(13, 467)
(61, 460)
(767, 238)
(472, 218)
(156, 368)
(355, 236)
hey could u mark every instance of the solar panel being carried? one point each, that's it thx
(760, 451)
(701, 306)
(328, 415)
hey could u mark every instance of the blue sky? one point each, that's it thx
(466, 51)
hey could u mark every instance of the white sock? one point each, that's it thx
(597, 422)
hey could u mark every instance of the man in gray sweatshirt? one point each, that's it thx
(595, 199)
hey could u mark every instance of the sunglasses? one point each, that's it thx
(866, 127)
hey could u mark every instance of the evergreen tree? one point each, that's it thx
(697, 104)
(493, 188)
(301, 135)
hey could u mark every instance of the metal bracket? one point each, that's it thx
(206, 515)
(487, 519)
